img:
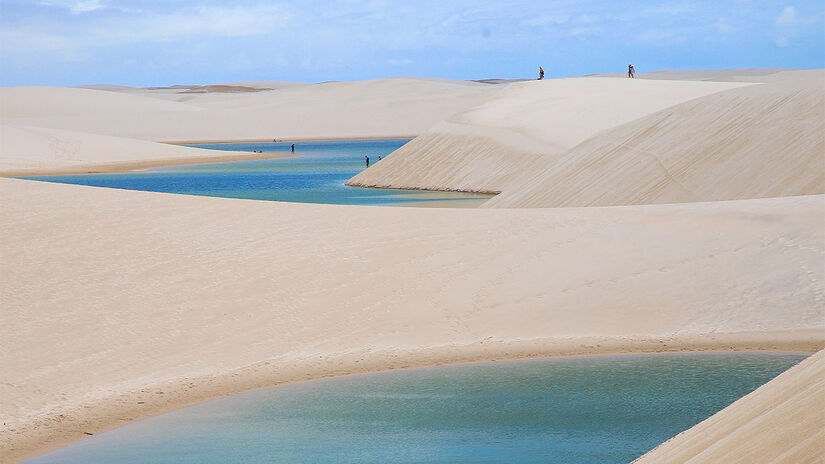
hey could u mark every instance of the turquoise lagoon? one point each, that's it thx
(316, 176)
(604, 409)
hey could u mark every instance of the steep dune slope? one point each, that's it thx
(781, 422)
(766, 140)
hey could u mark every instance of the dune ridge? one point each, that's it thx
(782, 421)
(759, 141)
(521, 130)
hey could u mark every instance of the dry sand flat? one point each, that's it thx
(523, 129)
(781, 422)
(379, 108)
(114, 297)
(603, 141)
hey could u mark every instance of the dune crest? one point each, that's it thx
(760, 141)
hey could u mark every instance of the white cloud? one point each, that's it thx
(546, 20)
(787, 16)
(77, 6)
(786, 23)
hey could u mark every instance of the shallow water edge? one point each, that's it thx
(126, 405)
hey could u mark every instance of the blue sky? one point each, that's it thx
(165, 42)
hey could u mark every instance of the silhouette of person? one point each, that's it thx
(541, 73)
(293, 148)
(631, 71)
(379, 158)
(367, 158)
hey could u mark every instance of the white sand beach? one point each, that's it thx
(119, 305)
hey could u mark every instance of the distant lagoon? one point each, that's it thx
(601, 409)
(316, 176)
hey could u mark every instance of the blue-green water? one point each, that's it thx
(608, 409)
(316, 176)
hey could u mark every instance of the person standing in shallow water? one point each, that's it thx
(367, 159)
(293, 148)
(631, 71)
(541, 73)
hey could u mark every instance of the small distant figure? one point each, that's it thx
(541, 73)
(631, 71)
(379, 158)
(293, 148)
(367, 159)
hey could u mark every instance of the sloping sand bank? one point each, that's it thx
(606, 141)
(760, 141)
(781, 422)
(32, 151)
(122, 304)
(523, 129)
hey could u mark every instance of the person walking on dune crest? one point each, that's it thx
(541, 73)
(631, 71)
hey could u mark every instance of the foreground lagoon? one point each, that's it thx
(605, 409)
(316, 176)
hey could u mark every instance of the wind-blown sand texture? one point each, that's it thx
(781, 422)
(117, 305)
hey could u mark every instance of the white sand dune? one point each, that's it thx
(781, 422)
(601, 141)
(21, 104)
(117, 305)
(112, 297)
(523, 129)
(379, 108)
(760, 141)
(31, 150)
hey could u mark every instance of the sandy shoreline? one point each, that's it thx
(291, 140)
(126, 166)
(269, 297)
(158, 399)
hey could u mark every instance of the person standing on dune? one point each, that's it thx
(367, 159)
(631, 71)
(541, 73)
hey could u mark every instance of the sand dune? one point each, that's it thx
(759, 141)
(524, 129)
(199, 297)
(781, 422)
(379, 108)
(30, 150)
(120, 304)
(22, 104)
